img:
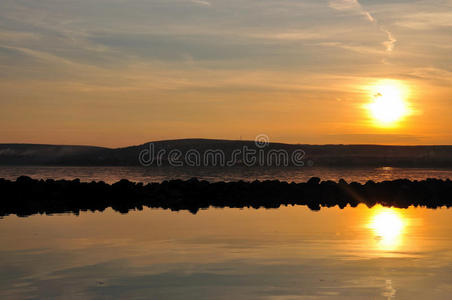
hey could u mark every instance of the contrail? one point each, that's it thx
(354, 5)
(390, 43)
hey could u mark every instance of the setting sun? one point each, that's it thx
(388, 104)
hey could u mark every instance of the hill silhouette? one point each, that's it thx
(322, 155)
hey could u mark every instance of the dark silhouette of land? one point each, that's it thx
(321, 155)
(27, 196)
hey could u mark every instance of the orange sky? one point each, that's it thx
(117, 73)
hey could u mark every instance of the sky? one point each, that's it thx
(124, 72)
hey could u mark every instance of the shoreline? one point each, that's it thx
(26, 196)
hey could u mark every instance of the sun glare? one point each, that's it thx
(388, 104)
(388, 226)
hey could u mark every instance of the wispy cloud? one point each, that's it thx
(354, 48)
(351, 5)
(390, 43)
(426, 20)
(16, 36)
(437, 75)
(355, 6)
(201, 2)
(181, 66)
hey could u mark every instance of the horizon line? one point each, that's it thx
(225, 140)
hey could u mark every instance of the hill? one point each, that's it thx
(324, 155)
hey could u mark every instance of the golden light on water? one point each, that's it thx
(388, 103)
(388, 225)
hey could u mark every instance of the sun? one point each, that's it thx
(388, 103)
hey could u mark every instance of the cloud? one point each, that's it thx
(354, 48)
(351, 5)
(286, 36)
(355, 6)
(426, 20)
(201, 2)
(390, 43)
(440, 76)
(41, 55)
(17, 36)
(344, 4)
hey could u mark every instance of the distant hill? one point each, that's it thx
(322, 155)
(37, 154)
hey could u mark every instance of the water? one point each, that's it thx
(285, 253)
(155, 174)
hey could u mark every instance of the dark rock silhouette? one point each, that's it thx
(27, 196)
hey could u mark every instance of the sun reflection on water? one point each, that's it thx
(388, 226)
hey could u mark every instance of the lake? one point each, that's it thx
(158, 174)
(285, 253)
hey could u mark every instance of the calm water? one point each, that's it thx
(284, 253)
(141, 174)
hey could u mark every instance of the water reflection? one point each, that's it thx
(285, 253)
(388, 225)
